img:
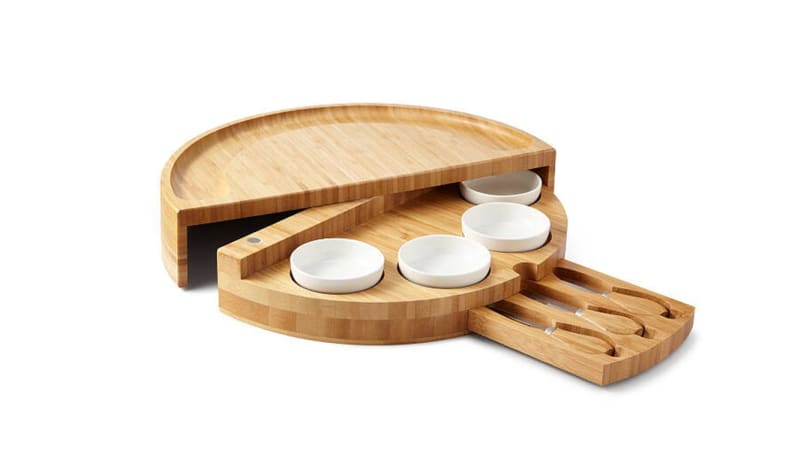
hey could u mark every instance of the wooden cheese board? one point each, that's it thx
(595, 326)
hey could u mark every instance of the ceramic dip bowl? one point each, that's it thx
(521, 187)
(444, 261)
(506, 227)
(337, 265)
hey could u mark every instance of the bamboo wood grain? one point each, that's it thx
(383, 313)
(660, 331)
(316, 156)
(608, 330)
(385, 174)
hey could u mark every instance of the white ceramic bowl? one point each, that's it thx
(444, 261)
(506, 227)
(521, 187)
(337, 265)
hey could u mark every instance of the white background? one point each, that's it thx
(672, 125)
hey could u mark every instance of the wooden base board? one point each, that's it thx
(582, 321)
(395, 308)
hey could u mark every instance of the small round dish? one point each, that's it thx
(506, 227)
(521, 187)
(336, 265)
(444, 261)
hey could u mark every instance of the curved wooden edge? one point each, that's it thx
(177, 214)
(628, 367)
(345, 331)
(591, 342)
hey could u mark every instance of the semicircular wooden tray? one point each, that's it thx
(401, 185)
(307, 157)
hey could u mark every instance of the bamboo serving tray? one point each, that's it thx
(617, 331)
(322, 155)
(385, 174)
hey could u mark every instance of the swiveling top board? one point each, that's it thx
(385, 174)
(582, 321)
(308, 157)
